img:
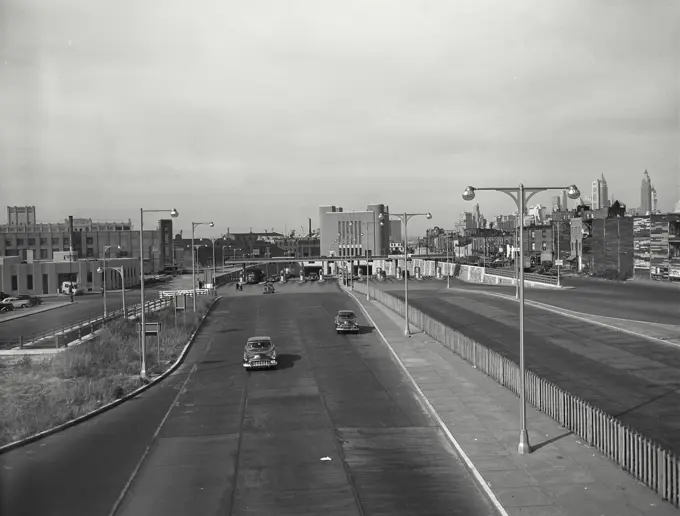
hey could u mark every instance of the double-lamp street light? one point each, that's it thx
(404, 217)
(519, 195)
(194, 225)
(174, 214)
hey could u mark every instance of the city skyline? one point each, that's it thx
(221, 111)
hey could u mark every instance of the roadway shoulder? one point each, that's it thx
(561, 476)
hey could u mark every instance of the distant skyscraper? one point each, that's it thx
(646, 194)
(556, 203)
(604, 193)
(655, 201)
(600, 193)
(565, 200)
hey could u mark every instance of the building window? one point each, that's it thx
(15, 282)
(533, 246)
(43, 241)
(55, 241)
(54, 251)
(29, 281)
(90, 240)
(20, 241)
(43, 254)
(533, 234)
(31, 241)
(65, 248)
(8, 243)
(90, 252)
(545, 246)
(89, 276)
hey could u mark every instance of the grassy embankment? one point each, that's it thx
(40, 393)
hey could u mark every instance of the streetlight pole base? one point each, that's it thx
(407, 332)
(524, 448)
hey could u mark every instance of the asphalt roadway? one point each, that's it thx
(640, 301)
(89, 305)
(634, 379)
(231, 442)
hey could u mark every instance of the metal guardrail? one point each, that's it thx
(647, 461)
(82, 327)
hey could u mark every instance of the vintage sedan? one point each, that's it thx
(259, 353)
(346, 322)
(19, 302)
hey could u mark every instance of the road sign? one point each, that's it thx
(559, 262)
(151, 328)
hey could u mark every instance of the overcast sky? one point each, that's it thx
(254, 113)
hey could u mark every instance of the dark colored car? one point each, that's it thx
(33, 300)
(346, 322)
(259, 353)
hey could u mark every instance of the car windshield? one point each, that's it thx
(259, 345)
(346, 315)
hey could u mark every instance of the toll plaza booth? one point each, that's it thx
(312, 267)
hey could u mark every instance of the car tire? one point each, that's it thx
(24, 306)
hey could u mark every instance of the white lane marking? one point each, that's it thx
(574, 315)
(478, 476)
(122, 495)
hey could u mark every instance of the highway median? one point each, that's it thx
(42, 394)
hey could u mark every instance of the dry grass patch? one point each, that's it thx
(37, 393)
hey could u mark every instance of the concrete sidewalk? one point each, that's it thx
(561, 477)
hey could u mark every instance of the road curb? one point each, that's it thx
(579, 316)
(28, 314)
(435, 415)
(109, 406)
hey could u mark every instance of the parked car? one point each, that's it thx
(259, 353)
(34, 299)
(346, 322)
(17, 302)
(6, 307)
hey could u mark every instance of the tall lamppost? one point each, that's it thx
(519, 195)
(194, 225)
(404, 217)
(223, 264)
(448, 263)
(120, 270)
(213, 240)
(174, 214)
(106, 248)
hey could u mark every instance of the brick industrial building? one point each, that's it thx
(22, 234)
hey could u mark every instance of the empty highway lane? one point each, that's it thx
(336, 429)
